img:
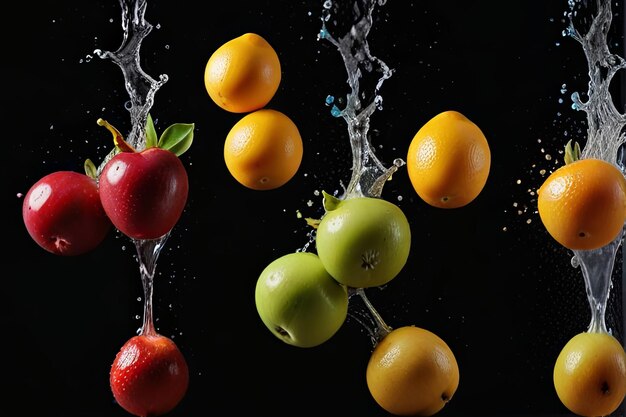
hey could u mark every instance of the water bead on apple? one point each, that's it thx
(141, 188)
(582, 205)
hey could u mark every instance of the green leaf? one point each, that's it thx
(90, 169)
(314, 223)
(330, 202)
(572, 153)
(151, 135)
(177, 138)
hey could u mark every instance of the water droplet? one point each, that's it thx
(378, 102)
(335, 111)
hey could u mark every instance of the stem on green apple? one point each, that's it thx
(382, 328)
(148, 251)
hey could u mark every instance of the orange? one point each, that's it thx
(412, 372)
(583, 204)
(263, 150)
(448, 160)
(590, 374)
(243, 74)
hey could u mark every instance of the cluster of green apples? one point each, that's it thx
(361, 242)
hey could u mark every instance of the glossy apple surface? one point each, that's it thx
(299, 302)
(363, 241)
(144, 193)
(63, 213)
(149, 376)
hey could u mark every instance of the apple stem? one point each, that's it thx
(148, 251)
(382, 328)
(118, 139)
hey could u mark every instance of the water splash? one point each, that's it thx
(605, 130)
(148, 253)
(140, 86)
(368, 172)
(141, 89)
(605, 136)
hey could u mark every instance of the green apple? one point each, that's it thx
(298, 300)
(363, 241)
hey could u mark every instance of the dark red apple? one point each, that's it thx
(63, 213)
(144, 193)
(149, 375)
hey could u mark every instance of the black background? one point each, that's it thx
(486, 277)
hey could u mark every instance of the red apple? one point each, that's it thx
(63, 213)
(144, 193)
(149, 375)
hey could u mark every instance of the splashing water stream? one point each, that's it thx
(141, 89)
(140, 86)
(605, 136)
(148, 253)
(368, 172)
(369, 175)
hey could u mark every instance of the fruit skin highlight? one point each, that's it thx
(299, 302)
(263, 150)
(144, 193)
(590, 374)
(448, 160)
(363, 241)
(243, 74)
(63, 214)
(583, 204)
(412, 372)
(149, 376)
